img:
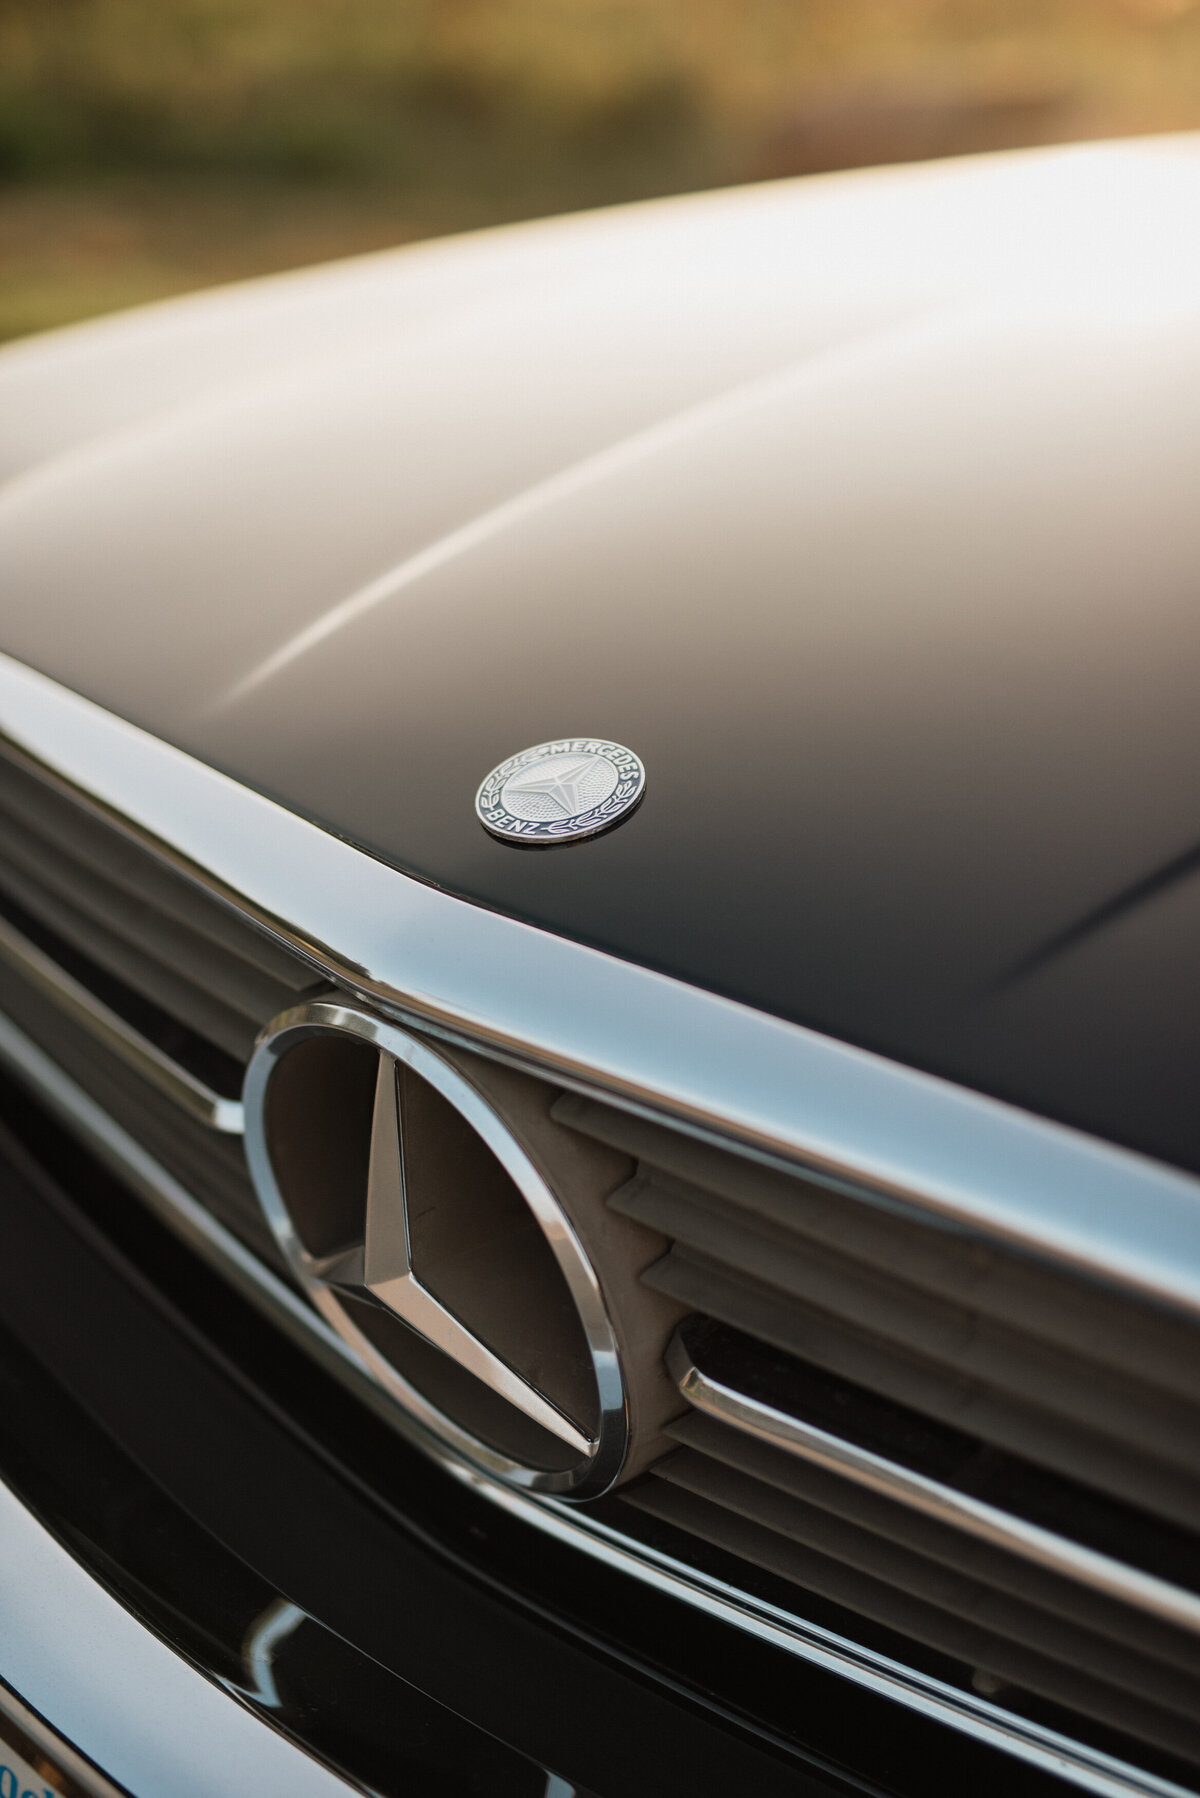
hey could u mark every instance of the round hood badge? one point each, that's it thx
(559, 792)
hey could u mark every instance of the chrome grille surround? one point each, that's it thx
(654, 1048)
(596, 1459)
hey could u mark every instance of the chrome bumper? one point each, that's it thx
(112, 1693)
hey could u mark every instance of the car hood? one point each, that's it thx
(862, 509)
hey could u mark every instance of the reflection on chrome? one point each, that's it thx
(264, 1638)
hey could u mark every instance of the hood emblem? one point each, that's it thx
(559, 792)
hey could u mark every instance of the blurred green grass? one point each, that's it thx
(147, 146)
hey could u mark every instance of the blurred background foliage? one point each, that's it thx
(148, 146)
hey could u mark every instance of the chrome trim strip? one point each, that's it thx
(176, 1207)
(118, 1694)
(974, 1716)
(114, 1034)
(1075, 1762)
(891, 1480)
(648, 1042)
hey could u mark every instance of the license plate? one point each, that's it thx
(27, 1773)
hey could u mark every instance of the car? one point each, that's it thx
(599, 913)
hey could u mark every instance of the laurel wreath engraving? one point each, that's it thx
(629, 788)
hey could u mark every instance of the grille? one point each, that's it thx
(162, 949)
(977, 1456)
(980, 1452)
(188, 981)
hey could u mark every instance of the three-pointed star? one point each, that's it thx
(561, 785)
(379, 1271)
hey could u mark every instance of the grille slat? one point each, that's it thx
(733, 1525)
(173, 955)
(183, 970)
(209, 1166)
(993, 1281)
(938, 1389)
(113, 1035)
(139, 919)
(830, 1281)
(1073, 1408)
(924, 1325)
(1048, 1598)
(913, 1575)
(988, 1359)
(231, 1031)
(97, 849)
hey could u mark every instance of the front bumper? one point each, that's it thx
(129, 1714)
(222, 1572)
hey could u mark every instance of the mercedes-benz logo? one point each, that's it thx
(429, 1240)
(561, 791)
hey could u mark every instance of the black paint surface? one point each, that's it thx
(899, 608)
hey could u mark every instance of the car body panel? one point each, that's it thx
(860, 508)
